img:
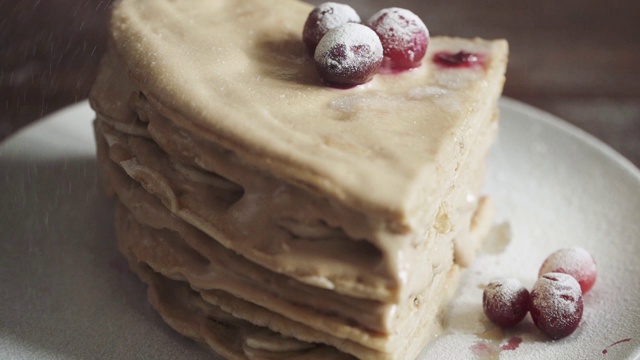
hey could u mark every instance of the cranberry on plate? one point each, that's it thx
(574, 261)
(556, 304)
(505, 302)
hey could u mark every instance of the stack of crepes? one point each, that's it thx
(272, 216)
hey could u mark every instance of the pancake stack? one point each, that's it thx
(272, 216)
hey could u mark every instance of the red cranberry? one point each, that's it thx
(323, 18)
(403, 35)
(348, 55)
(505, 302)
(574, 261)
(459, 59)
(556, 304)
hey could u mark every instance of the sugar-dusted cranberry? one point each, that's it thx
(323, 18)
(403, 35)
(505, 302)
(574, 261)
(348, 55)
(460, 59)
(556, 304)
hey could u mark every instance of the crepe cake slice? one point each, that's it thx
(226, 91)
(385, 154)
(168, 173)
(144, 202)
(180, 251)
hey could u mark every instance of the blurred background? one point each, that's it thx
(577, 59)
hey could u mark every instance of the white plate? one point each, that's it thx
(65, 292)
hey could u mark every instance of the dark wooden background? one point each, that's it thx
(578, 59)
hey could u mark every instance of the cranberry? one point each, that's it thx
(505, 302)
(556, 304)
(459, 59)
(323, 18)
(574, 261)
(348, 55)
(403, 35)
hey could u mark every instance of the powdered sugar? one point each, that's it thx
(333, 14)
(505, 302)
(504, 290)
(553, 288)
(556, 304)
(325, 17)
(425, 92)
(575, 261)
(404, 36)
(398, 24)
(350, 104)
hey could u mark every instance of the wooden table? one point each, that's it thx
(578, 59)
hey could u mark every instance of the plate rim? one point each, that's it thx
(573, 131)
